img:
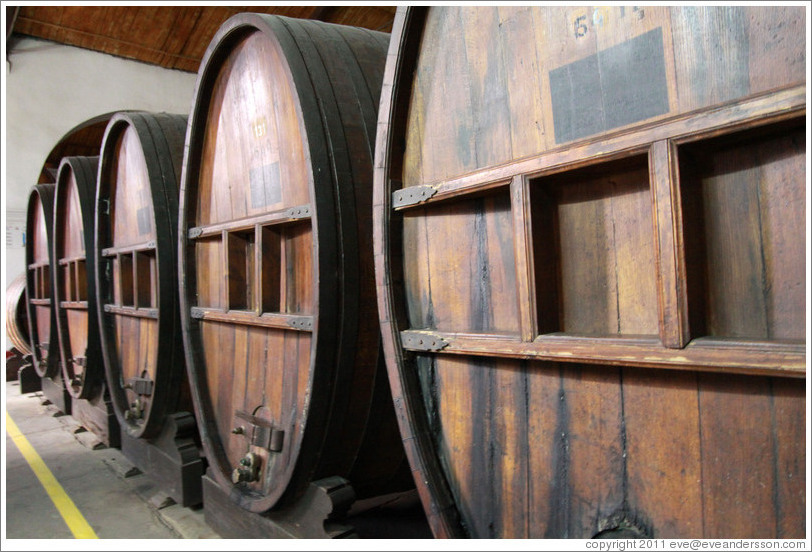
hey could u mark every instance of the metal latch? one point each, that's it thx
(263, 434)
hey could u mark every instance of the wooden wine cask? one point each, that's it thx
(277, 286)
(77, 320)
(82, 140)
(136, 220)
(589, 229)
(17, 315)
(39, 280)
(74, 288)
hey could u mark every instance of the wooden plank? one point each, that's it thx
(284, 321)
(241, 384)
(661, 414)
(75, 305)
(450, 391)
(523, 253)
(547, 453)
(789, 410)
(593, 435)
(733, 356)
(702, 124)
(738, 457)
(520, 63)
(131, 311)
(472, 270)
(781, 214)
(256, 373)
(299, 273)
(724, 57)
(636, 269)
(281, 216)
(731, 193)
(671, 276)
(605, 252)
(507, 448)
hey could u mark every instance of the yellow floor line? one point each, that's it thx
(70, 513)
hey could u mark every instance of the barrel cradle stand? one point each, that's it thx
(20, 365)
(283, 327)
(75, 300)
(136, 281)
(39, 293)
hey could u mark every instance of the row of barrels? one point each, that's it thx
(541, 263)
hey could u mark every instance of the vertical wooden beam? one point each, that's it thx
(226, 270)
(670, 258)
(523, 248)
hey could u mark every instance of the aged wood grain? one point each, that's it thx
(136, 251)
(38, 283)
(17, 315)
(649, 224)
(275, 267)
(75, 293)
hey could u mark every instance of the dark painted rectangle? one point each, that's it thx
(144, 220)
(265, 185)
(615, 87)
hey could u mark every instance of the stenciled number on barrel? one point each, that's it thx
(579, 24)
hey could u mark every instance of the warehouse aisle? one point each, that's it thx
(114, 502)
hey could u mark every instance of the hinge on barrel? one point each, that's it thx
(422, 341)
(412, 195)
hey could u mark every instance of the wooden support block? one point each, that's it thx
(314, 516)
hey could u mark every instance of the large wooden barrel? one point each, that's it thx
(277, 290)
(74, 287)
(82, 140)
(39, 280)
(136, 220)
(589, 229)
(17, 315)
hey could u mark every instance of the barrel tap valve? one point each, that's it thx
(248, 470)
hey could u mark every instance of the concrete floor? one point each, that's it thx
(116, 503)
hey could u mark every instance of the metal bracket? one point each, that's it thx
(412, 195)
(301, 323)
(195, 232)
(422, 341)
(263, 434)
(197, 312)
(301, 211)
(140, 386)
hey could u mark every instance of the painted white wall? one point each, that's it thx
(50, 88)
